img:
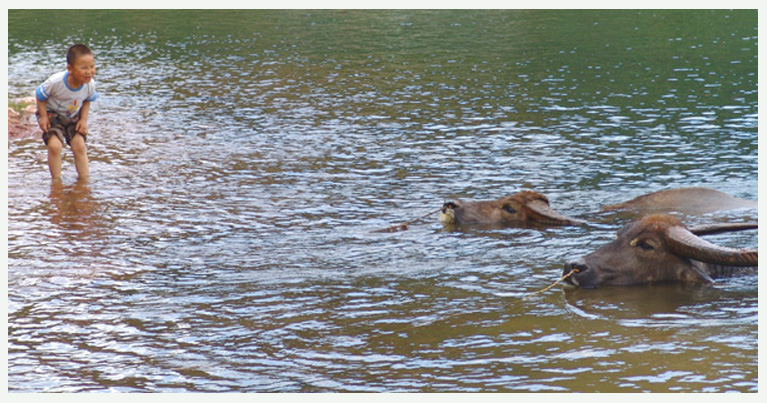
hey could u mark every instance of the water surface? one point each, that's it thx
(241, 159)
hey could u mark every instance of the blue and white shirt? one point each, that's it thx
(63, 99)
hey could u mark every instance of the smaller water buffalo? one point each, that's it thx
(692, 200)
(526, 208)
(659, 248)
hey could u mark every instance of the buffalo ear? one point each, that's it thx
(549, 215)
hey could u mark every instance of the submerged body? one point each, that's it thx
(526, 208)
(693, 200)
(659, 248)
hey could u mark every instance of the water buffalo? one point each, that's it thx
(659, 248)
(693, 200)
(526, 208)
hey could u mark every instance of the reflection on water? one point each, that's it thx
(73, 208)
(239, 165)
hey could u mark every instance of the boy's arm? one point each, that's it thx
(82, 123)
(43, 121)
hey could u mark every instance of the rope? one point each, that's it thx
(403, 226)
(552, 286)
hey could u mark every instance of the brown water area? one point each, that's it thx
(242, 160)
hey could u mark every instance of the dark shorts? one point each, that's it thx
(61, 127)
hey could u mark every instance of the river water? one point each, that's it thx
(241, 159)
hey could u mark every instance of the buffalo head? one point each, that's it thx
(659, 248)
(520, 209)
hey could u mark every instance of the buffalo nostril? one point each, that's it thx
(576, 265)
(449, 205)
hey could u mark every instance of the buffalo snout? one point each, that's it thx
(449, 206)
(447, 213)
(577, 273)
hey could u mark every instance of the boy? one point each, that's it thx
(63, 104)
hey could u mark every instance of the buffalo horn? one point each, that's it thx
(723, 227)
(684, 243)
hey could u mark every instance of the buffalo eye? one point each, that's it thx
(644, 245)
(507, 208)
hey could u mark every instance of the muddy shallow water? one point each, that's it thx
(239, 166)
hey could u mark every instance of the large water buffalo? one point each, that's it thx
(526, 208)
(659, 248)
(693, 200)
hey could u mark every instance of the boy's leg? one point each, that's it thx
(81, 156)
(54, 157)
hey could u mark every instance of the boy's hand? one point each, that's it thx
(82, 124)
(44, 123)
(81, 127)
(42, 111)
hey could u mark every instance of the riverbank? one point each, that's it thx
(21, 118)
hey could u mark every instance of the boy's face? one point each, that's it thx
(83, 69)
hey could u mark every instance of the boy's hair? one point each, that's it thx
(76, 51)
